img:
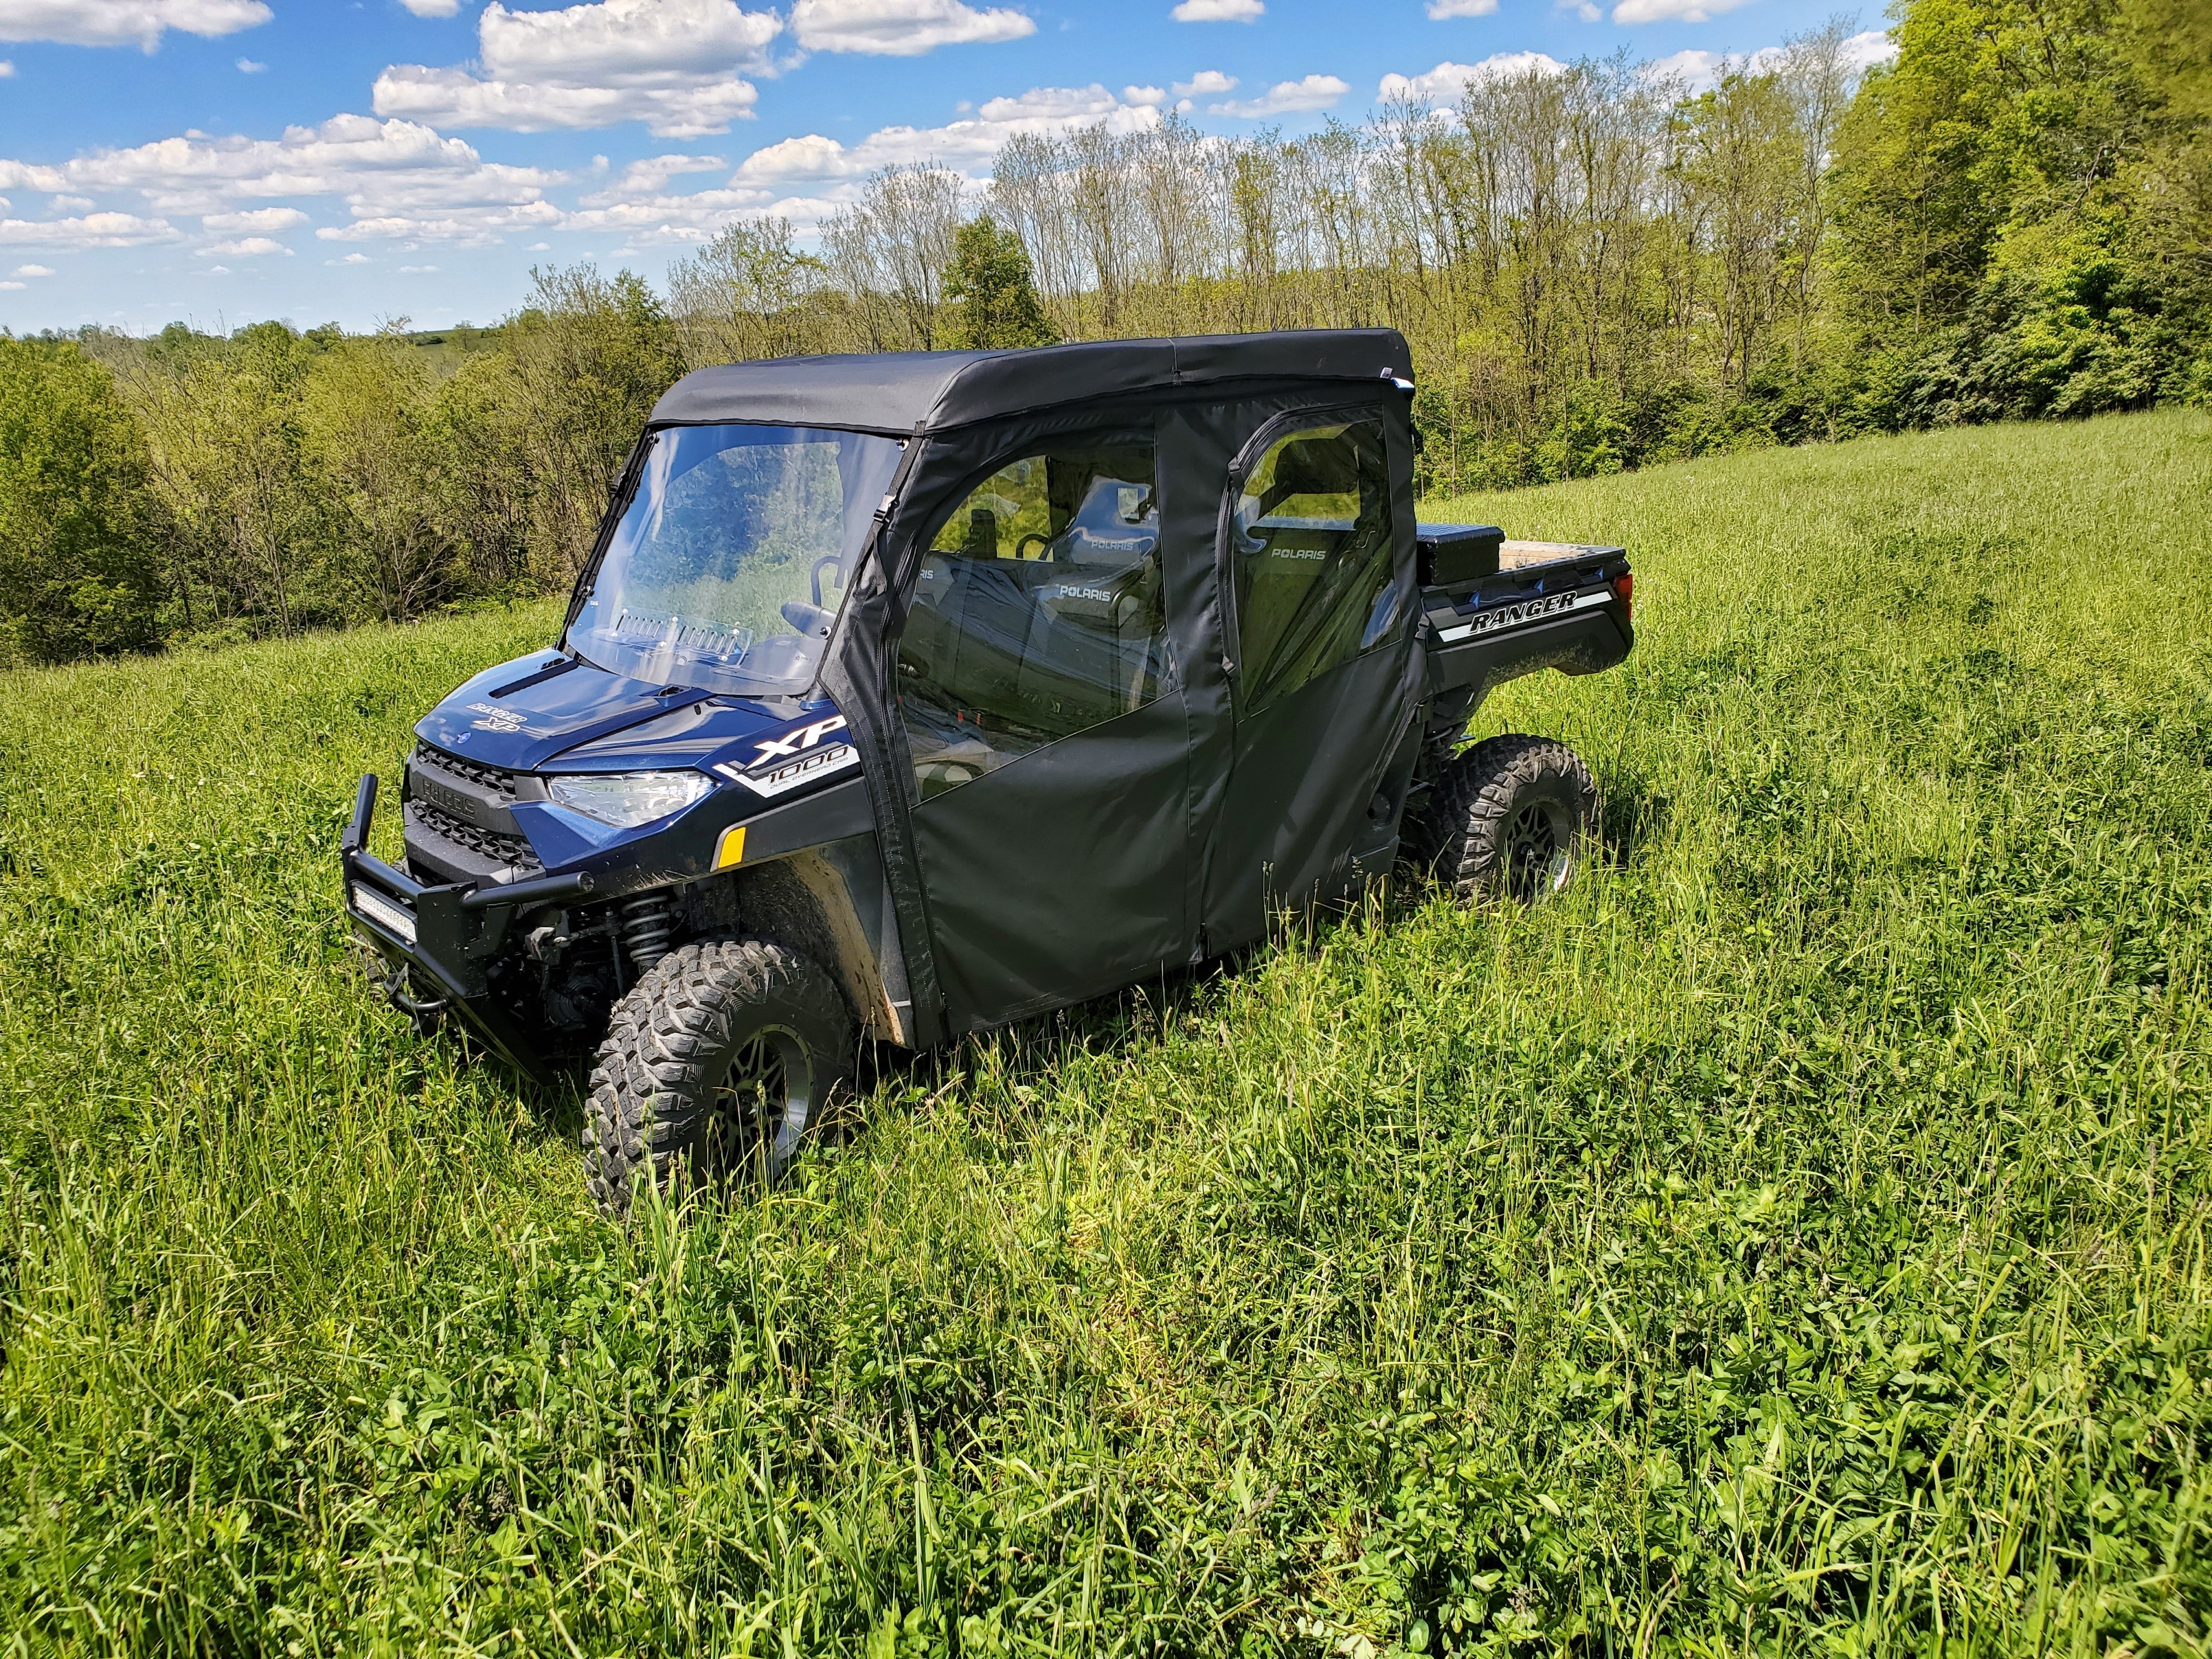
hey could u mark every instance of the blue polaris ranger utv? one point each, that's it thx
(907, 694)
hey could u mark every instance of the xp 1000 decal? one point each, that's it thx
(781, 763)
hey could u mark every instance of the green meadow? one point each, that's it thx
(1792, 1240)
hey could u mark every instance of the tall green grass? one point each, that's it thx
(1793, 1240)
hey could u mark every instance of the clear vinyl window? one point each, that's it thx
(1037, 613)
(727, 566)
(1311, 551)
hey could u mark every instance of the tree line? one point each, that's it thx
(1595, 268)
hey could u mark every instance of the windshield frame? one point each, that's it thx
(625, 494)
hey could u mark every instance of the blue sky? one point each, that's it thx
(224, 160)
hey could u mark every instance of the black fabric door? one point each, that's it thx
(1316, 559)
(1047, 732)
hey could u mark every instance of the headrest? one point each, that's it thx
(1312, 466)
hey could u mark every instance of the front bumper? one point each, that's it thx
(443, 937)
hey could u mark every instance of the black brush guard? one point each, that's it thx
(445, 936)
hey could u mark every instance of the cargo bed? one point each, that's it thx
(1494, 609)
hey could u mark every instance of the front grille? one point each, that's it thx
(510, 850)
(484, 777)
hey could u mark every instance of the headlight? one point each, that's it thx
(627, 799)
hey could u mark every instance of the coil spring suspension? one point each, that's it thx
(647, 922)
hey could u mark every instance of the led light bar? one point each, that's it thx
(382, 911)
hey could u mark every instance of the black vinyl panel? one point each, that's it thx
(1059, 876)
(902, 392)
(856, 671)
(1084, 866)
(1197, 442)
(1295, 808)
(1305, 770)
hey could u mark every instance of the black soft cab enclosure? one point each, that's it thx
(909, 695)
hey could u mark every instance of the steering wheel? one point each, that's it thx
(1021, 547)
(826, 562)
(811, 620)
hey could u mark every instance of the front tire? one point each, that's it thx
(713, 1066)
(1512, 817)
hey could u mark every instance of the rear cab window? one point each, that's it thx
(1311, 553)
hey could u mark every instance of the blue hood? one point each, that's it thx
(527, 714)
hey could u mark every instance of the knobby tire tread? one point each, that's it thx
(650, 1085)
(1459, 838)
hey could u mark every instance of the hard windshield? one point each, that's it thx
(727, 568)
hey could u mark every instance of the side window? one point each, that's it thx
(1037, 613)
(1311, 554)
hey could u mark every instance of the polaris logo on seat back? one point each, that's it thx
(1527, 610)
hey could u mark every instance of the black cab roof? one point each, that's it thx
(899, 392)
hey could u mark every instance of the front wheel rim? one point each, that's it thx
(759, 1109)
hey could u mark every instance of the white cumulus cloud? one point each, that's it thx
(1445, 82)
(34, 270)
(1220, 11)
(474, 226)
(1207, 83)
(432, 8)
(7, 70)
(622, 42)
(90, 230)
(1868, 47)
(247, 247)
(650, 175)
(1680, 11)
(454, 98)
(1698, 72)
(806, 178)
(1285, 97)
(401, 178)
(1440, 10)
(670, 64)
(966, 143)
(252, 222)
(902, 29)
(250, 66)
(138, 23)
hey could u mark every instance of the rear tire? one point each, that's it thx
(713, 1066)
(1512, 817)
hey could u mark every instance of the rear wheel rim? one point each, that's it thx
(758, 1109)
(1538, 849)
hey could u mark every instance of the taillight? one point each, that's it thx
(1624, 589)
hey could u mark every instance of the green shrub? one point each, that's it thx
(77, 533)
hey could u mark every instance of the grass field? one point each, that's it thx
(1793, 1240)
